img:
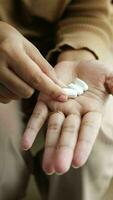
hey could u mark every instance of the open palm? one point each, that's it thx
(73, 125)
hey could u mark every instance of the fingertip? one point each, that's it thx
(79, 160)
(61, 169)
(25, 144)
(62, 98)
(77, 163)
(29, 92)
(63, 161)
(48, 161)
(48, 170)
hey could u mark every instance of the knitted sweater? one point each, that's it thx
(79, 23)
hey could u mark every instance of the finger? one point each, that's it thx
(44, 65)
(15, 84)
(67, 143)
(66, 107)
(31, 73)
(4, 100)
(35, 123)
(7, 93)
(52, 137)
(88, 132)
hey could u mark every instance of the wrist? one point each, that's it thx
(76, 55)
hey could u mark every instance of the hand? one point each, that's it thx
(73, 126)
(23, 68)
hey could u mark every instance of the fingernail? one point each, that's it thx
(59, 174)
(75, 167)
(62, 98)
(24, 148)
(49, 173)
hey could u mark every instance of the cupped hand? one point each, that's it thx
(23, 68)
(73, 125)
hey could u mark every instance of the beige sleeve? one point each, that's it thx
(86, 24)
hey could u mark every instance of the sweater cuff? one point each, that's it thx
(94, 41)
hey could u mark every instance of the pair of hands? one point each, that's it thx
(73, 125)
(23, 68)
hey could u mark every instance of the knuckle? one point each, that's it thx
(88, 123)
(65, 146)
(6, 46)
(54, 91)
(50, 70)
(69, 128)
(87, 141)
(35, 79)
(53, 126)
(11, 49)
(37, 115)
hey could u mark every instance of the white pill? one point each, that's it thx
(81, 83)
(70, 92)
(76, 87)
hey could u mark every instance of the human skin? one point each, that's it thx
(23, 68)
(73, 125)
